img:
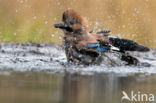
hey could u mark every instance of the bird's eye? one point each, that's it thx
(73, 21)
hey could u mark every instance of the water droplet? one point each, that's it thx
(16, 11)
(58, 3)
(52, 35)
(21, 1)
(34, 17)
(46, 22)
(123, 12)
(123, 26)
(15, 33)
(60, 37)
(54, 19)
(109, 17)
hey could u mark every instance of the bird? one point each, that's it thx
(76, 38)
(82, 46)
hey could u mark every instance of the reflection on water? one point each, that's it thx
(40, 87)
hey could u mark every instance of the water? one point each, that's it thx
(41, 87)
(51, 57)
(39, 73)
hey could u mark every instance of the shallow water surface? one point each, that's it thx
(41, 87)
(51, 57)
(39, 73)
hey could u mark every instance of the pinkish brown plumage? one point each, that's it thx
(76, 34)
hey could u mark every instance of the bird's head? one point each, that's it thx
(72, 22)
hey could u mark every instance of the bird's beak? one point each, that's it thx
(63, 27)
(59, 25)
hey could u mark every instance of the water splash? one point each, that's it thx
(51, 58)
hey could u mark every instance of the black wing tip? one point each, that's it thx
(142, 48)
